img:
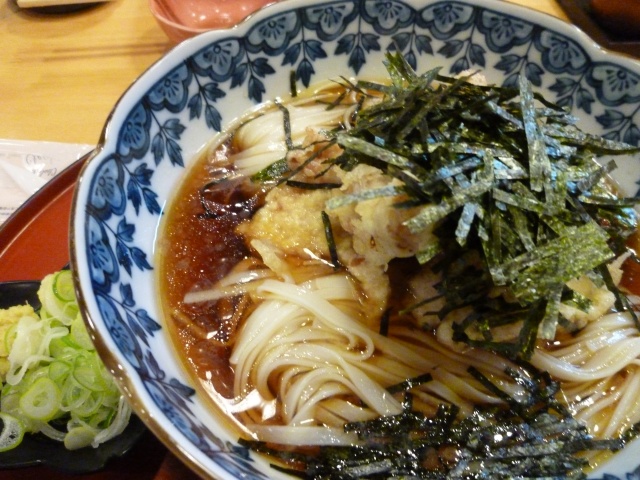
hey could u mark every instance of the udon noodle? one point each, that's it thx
(312, 346)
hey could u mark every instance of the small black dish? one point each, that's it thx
(18, 293)
(38, 450)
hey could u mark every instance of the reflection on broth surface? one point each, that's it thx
(408, 267)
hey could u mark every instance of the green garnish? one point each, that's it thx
(518, 206)
(532, 436)
(328, 232)
(273, 172)
(313, 185)
(56, 384)
(499, 176)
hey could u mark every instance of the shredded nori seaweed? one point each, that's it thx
(530, 435)
(499, 171)
(512, 190)
(328, 232)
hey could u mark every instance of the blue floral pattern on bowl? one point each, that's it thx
(201, 86)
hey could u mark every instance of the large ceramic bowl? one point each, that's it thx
(179, 104)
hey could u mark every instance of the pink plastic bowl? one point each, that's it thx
(181, 19)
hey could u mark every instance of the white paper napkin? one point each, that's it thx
(26, 166)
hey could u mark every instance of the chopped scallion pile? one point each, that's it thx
(55, 382)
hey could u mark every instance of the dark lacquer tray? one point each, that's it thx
(579, 13)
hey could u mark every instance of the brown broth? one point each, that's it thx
(631, 267)
(196, 250)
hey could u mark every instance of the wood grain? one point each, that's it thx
(61, 74)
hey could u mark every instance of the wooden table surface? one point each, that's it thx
(60, 76)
